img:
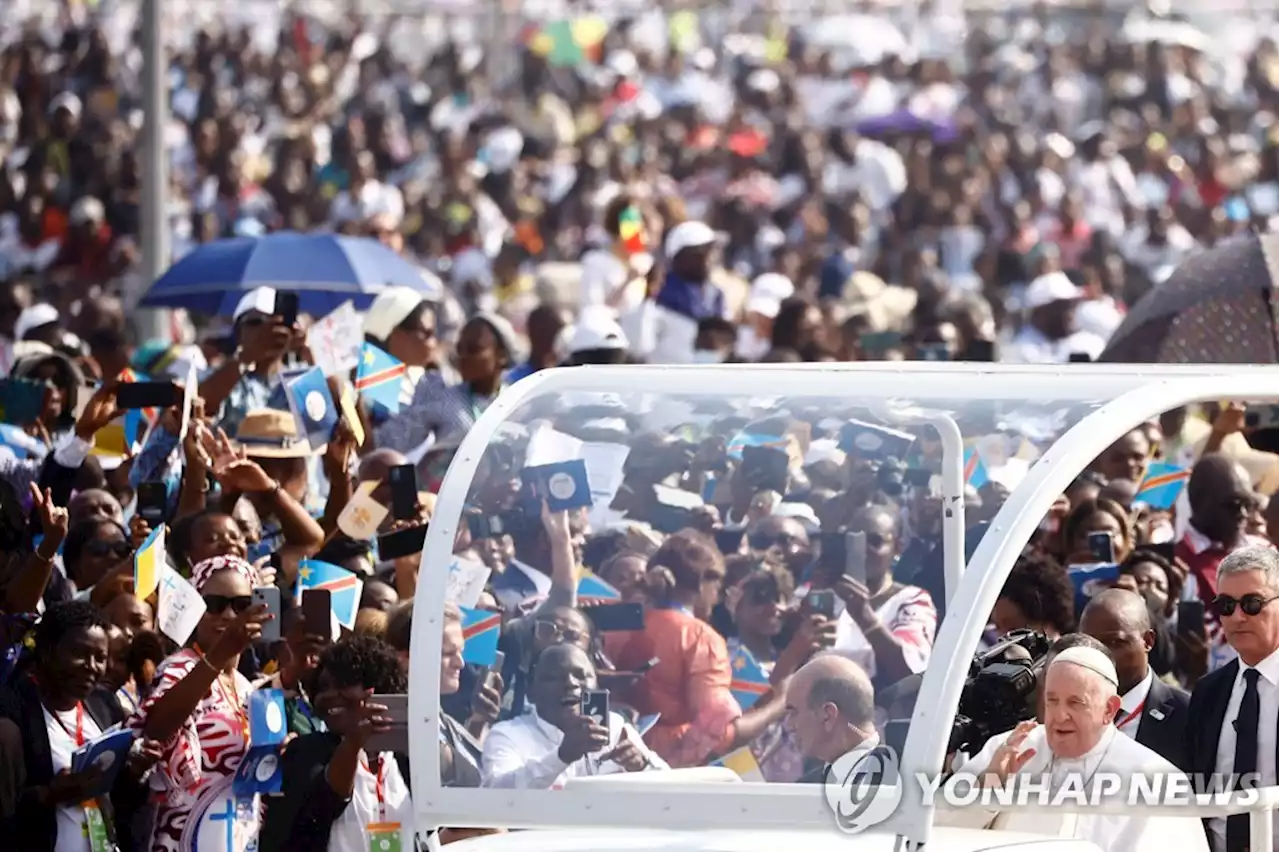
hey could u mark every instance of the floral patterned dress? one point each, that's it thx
(197, 809)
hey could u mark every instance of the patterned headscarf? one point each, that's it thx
(201, 573)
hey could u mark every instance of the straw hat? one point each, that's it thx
(269, 433)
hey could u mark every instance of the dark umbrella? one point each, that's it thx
(1218, 307)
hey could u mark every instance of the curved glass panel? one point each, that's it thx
(790, 509)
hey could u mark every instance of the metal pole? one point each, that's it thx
(152, 324)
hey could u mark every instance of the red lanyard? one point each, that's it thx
(78, 736)
(379, 785)
(1137, 711)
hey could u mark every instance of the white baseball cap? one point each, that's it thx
(688, 235)
(32, 318)
(1050, 288)
(392, 307)
(260, 299)
(768, 292)
(596, 329)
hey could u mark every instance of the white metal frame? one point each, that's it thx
(1135, 395)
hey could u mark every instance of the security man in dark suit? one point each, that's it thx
(1151, 712)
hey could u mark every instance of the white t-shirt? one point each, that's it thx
(61, 728)
(349, 832)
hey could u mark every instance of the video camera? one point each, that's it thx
(1000, 690)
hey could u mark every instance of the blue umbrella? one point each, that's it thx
(325, 270)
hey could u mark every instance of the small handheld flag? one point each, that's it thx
(593, 590)
(1162, 485)
(743, 763)
(975, 472)
(344, 588)
(362, 515)
(148, 563)
(749, 681)
(378, 378)
(480, 631)
(313, 407)
(743, 440)
(266, 717)
(631, 230)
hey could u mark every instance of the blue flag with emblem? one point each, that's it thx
(344, 588)
(480, 631)
(313, 407)
(378, 378)
(1162, 485)
(749, 680)
(1088, 580)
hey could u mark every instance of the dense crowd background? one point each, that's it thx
(658, 187)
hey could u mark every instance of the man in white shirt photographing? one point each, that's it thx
(1077, 749)
(543, 749)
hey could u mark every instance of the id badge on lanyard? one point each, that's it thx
(95, 828)
(384, 836)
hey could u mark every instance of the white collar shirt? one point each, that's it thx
(1268, 721)
(523, 754)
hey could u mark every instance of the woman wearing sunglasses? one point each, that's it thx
(92, 549)
(198, 711)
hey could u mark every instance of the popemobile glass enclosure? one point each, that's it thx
(661, 444)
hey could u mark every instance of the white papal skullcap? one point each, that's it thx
(1091, 659)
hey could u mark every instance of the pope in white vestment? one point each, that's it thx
(1078, 746)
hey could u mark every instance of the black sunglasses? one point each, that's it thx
(764, 541)
(875, 539)
(217, 604)
(1224, 605)
(549, 631)
(98, 547)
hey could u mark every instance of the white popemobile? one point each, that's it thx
(1067, 415)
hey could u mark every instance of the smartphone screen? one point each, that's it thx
(1103, 546)
(918, 477)
(1164, 548)
(1191, 617)
(396, 739)
(482, 674)
(132, 395)
(823, 603)
(316, 611)
(286, 307)
(402, 542)
(595, 706)
(269, 596)
(153, 503)
(404, 491)
(609, 618)
(855, 550)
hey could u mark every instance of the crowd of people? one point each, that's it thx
(754, 198)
